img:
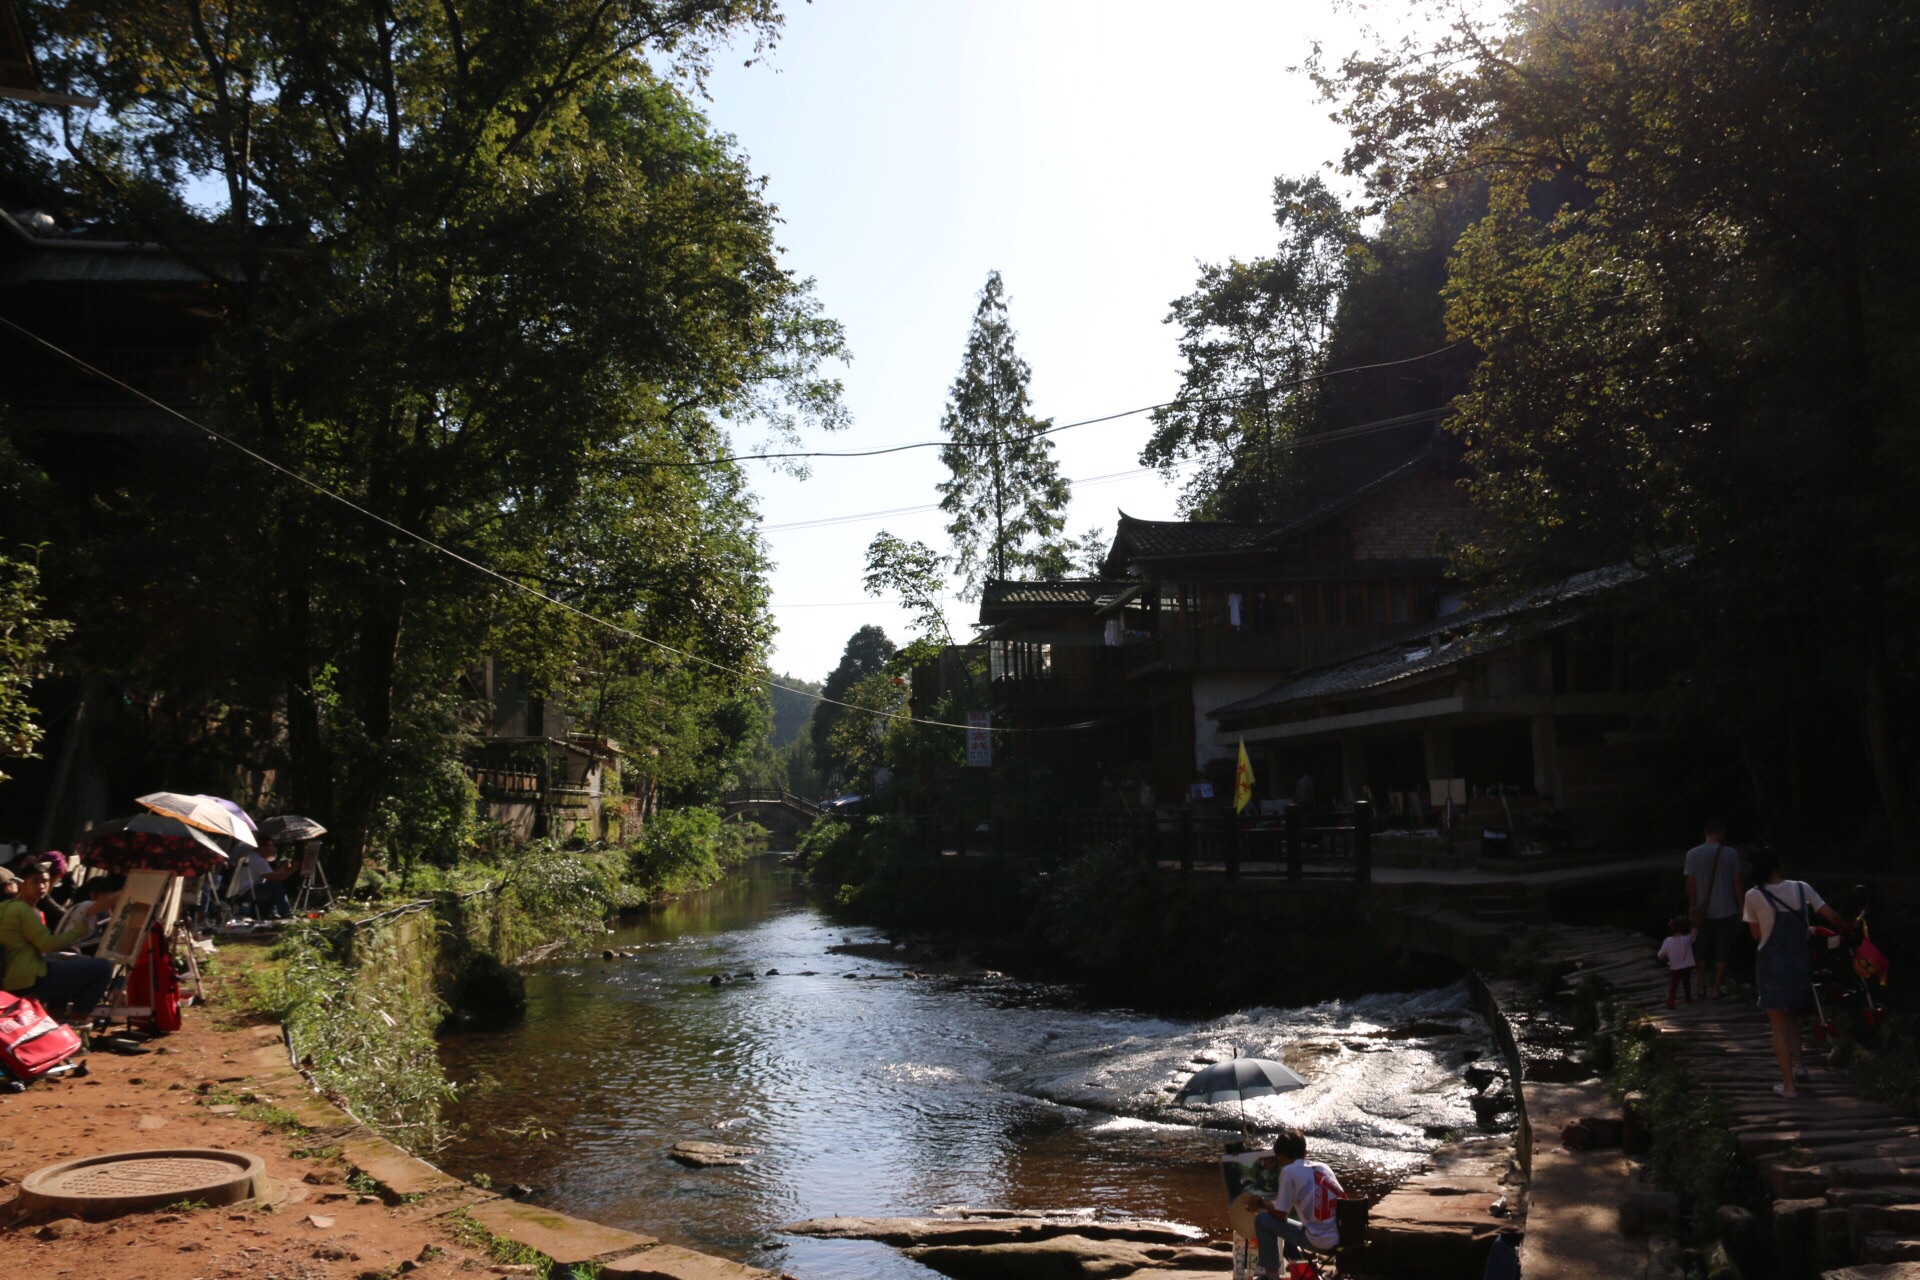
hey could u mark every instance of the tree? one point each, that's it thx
(486, 272)
(867, 653)
(1081, 557)
(1003, 492)
(1253, 336)
(25, 634)
(917, 574)
(1692, 292)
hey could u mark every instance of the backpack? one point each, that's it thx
(31, 1042)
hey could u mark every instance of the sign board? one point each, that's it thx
(979, 740)
(1200, 791)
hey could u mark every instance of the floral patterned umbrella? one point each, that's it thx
(150, 842)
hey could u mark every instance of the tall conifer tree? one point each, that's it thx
(1005, 498)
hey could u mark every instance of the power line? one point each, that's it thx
(486, 570)
(1049, 431)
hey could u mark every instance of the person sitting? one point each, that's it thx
(1307, 1188)
(31, 968)
(260, 882)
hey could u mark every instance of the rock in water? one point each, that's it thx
(710, 1155)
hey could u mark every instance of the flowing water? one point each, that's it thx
(891, 1095)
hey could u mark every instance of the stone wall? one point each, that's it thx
(1405, 522)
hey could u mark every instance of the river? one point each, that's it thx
(891, 1095)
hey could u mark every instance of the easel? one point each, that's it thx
(313, 880)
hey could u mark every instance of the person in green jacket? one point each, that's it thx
(31, 968)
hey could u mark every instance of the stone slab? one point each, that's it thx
(1574, 1197)
(401, 1174)
(564, 1239)
(671, 1262)
(1880, 1271)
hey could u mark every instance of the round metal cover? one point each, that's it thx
(126, 1181)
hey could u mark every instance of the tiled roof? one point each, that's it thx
(1501, 624)
(1326, 479)
(1089, 593)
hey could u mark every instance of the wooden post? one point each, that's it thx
(1152, 820)
(1292, 821)
(1233, 846)
(1363, 842)
(1186, 841)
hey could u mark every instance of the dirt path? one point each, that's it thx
(206, 1086)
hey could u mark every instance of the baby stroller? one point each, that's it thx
(1845, 964)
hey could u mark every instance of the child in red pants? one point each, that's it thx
(1677, 951)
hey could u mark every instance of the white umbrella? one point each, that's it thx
(1238, 1080)
(201, 812)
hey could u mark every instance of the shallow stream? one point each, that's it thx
(883, 1094)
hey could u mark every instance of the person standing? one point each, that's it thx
(1714, 887)
(1677, 951)
(1780, 914)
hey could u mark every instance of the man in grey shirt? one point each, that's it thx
(1714, 890)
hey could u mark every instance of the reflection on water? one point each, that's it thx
(878, 1094)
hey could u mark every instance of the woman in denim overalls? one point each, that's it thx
(1783, 969)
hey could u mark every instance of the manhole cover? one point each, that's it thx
(100, 1186)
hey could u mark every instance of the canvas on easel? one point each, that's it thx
(142, 902)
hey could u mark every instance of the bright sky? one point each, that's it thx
(1092, 152)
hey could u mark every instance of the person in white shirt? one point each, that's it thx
(1780, 913)
(1677, 951)
(1308, 1189)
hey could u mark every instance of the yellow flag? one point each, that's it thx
(1242, 781)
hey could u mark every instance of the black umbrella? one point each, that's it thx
(1237, 1080)
(290, 828)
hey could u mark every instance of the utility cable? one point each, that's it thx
(489, 571)
(1055, 430)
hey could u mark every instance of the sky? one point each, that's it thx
(1092, 153)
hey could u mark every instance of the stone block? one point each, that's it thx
(671, 1262)
(564, 1239)
(1793, 1237)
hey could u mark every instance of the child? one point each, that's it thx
(1307, 1188)
(1677, 951)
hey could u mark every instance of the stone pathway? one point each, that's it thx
(1844, 1172)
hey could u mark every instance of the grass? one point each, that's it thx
(1693, 1154)
(470, 1233)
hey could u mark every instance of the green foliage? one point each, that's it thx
(1889, 1070)
(491, 331)
(25, 635)
(1693, 1155)
(1688, 292)
(1253, 337)
(917, 574)
(684, 849)
(365, 1030)
(868, 652)
(1003, 494)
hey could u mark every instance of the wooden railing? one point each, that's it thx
(1302, 846)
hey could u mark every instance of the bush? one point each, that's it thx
(1693, 1155)
(684, 849)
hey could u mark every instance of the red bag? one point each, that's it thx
(31, 1043)
(153, 982)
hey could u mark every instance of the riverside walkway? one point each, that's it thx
(1842, 1172)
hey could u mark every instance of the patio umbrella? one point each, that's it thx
(290, 828)
(152, 841)
(236, 811)
(201, 812)
(1237, 1080)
